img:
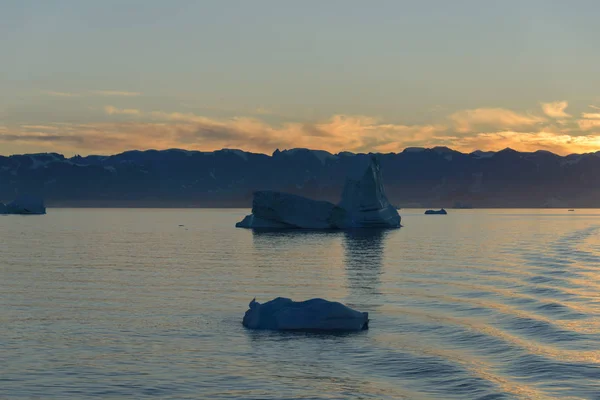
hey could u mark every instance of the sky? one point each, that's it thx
(101, 77)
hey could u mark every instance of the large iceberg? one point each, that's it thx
(310, 315)
(363, 205)
(24, 205)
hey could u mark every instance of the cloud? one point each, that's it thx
(168, 130)
(492, 118)
(558, 143)
(43, 140)
(115, 93)
(588, 124)
(470, 130)
(177, 116)
(590, 121)
(556, 109)
(60, 94)
(263, 111)
(110, 110)
(591, 115)
(340, 132)
(40, 127)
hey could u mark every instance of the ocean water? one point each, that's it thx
(486, 304)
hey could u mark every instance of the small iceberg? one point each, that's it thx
(24, 205)
(436, 212)
(284, 314)
(363, 205)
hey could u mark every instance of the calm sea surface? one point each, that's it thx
(127, 303)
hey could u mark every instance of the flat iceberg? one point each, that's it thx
(436, 212)
(363, 205)
(25, 205)
(310, 315)
(282, 210)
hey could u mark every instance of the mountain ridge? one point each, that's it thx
(422, 177)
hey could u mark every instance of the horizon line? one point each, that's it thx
(405, 150)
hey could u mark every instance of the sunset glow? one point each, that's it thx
(84, 79)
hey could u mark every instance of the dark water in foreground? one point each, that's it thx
(125, 303)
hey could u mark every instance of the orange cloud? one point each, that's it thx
(161, 130)
(168, 130)
(591, 115)
(588, 124)
(492, 118)
(556, 109)
(555, 142)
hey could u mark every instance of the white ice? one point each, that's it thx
(310, 315)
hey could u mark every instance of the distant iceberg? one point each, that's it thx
(363, 205)
(310, 315)
(24, 205)
(436, 212)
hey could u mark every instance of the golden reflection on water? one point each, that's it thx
(301, 259)
(481, 294)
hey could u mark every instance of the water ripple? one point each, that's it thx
(481, 304)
